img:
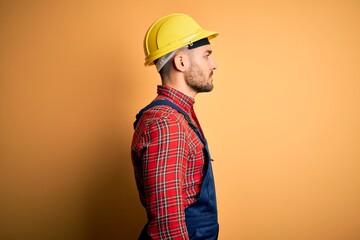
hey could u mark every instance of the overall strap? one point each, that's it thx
(177, 108)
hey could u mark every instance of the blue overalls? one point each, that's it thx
(200, 216)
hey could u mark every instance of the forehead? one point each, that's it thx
(202, 49)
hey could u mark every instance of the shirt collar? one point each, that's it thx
(178, 97)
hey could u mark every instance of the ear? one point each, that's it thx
(180, 62)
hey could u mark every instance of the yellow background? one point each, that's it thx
(283, 121)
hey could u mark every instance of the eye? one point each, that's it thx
(207, 54)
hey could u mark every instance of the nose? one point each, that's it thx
(213, 64)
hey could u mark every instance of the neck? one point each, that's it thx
(177, 81)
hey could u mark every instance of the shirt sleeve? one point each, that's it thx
(164, 166)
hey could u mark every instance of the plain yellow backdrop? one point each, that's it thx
(283, 121)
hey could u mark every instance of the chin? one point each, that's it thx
(208, 88)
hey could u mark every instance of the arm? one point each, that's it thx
(164, 166)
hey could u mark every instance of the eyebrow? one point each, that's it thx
(208, 51)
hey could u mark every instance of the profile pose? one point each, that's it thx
(170, 155)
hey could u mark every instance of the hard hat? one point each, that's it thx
(170, 33)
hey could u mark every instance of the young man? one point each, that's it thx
(170, 155)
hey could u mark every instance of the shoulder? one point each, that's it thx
(162, 114)
(161, 117)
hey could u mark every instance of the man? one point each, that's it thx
(169, 152)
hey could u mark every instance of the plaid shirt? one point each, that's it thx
(168, 163)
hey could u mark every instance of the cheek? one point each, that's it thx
(208, 67)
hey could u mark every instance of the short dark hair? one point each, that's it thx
(165, 70)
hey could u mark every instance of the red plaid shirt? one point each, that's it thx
(168, 163)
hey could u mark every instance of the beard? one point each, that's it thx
(197, 80)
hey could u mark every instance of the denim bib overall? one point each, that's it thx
(200, 216)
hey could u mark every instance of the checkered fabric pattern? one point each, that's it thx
(168, 163)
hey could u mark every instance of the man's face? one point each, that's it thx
(200, 71)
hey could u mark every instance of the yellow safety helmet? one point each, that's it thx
(170, 33)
